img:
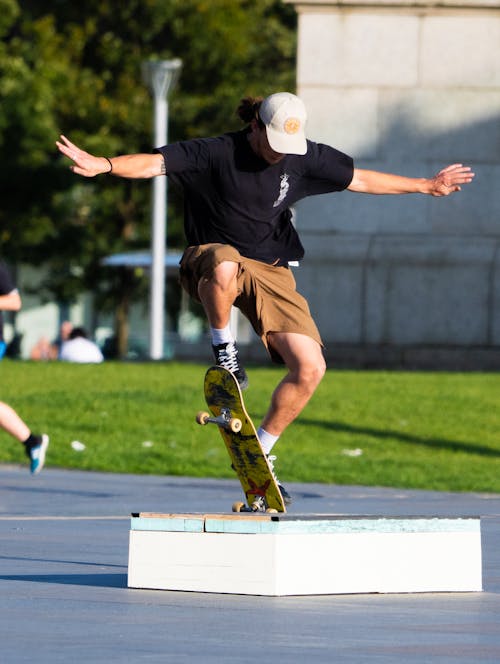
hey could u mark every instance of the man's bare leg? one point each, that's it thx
(306, 367)
(218, 293)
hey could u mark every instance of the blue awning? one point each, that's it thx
(139, 259)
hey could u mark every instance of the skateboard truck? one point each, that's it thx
(223, 420)
(258, 505)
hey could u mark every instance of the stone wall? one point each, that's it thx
(407, 87)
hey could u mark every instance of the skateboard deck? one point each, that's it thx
(225, 401)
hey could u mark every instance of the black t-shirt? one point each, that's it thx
(6, 287)
(235, 197)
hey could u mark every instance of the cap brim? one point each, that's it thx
(286, 143)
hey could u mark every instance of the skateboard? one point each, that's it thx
(227, 410)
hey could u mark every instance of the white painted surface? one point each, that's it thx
(307, 563)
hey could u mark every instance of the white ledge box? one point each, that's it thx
(283, 554)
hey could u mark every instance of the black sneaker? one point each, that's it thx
(226, 356)
(287, 498)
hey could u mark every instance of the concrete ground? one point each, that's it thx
(64, 595)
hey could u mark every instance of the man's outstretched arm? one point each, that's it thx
(126, 166)
(447, 181)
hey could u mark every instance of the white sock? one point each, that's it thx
(267, 440)
(223, 336)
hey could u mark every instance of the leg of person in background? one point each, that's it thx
(34, 445)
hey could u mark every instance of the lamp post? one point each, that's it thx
(160, 76)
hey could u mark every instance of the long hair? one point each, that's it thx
(248, 110)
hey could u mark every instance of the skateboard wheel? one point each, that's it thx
(238, 506)
(202, 417)
(235, 424)
(271, 510)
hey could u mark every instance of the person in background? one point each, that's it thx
(79, 348)
(64, 332)
(45, 350)
(35, 445)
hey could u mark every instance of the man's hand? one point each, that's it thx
(84, 163)
(449, 180)
(125, 166)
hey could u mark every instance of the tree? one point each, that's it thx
(74, 68)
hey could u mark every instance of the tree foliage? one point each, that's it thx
(75, 68)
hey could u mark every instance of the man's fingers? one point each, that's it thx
(68, 148)
(67, 142)
(452, 167)
(449, 179)
(462, 178)
(457, 170)
(65, 149)
(454, 175)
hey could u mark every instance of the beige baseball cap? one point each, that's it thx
(284, 116)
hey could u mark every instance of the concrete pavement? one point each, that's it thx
(64, 595)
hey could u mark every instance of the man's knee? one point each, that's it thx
(199, 263)
(320, 368)
(223, 279)
(225, 273)
(302, 355)
(311, 373)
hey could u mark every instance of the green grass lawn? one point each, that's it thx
(400, 429)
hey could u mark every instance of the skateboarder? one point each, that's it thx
(238, 189)
(34, 445)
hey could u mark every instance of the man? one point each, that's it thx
(238, 189)
(35, 445)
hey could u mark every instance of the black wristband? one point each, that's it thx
(110, 165)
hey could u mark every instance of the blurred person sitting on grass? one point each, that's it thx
(46, 350)
(79, 348)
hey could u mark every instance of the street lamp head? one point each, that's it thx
(161, 75)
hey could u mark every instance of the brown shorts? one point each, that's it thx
(267, 294)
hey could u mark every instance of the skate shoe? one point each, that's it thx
(287, 498)
(226, 355)
(37, 454)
